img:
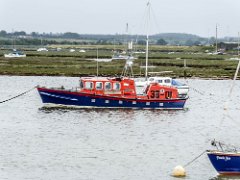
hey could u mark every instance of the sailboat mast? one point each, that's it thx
(216, 39)
(97, 61)
(147, 38)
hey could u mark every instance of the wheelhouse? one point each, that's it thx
(108, 86)
(166, 81)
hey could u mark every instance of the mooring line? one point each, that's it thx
(190, 162)
(19, 95)
(201, 92)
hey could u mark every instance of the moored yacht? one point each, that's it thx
(15, 54)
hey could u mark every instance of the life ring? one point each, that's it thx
(162, 91)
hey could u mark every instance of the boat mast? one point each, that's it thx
(147, 38)
(97, 61)
(216, 39)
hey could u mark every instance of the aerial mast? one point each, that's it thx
(216, 38)
(147, 39)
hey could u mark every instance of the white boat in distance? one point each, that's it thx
(119, 57)
(15, 54)
(165, 81)
(42, 49)
(82, 51)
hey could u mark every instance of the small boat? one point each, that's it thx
(101, 92)
(42, 49)
(225, 161)
(82, 51)
(183, 89)
(119, 57)
(15, 54)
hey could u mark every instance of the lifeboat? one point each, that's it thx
(113, 93)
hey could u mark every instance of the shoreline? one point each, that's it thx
(179, 77)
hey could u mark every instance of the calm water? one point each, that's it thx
(65, 144)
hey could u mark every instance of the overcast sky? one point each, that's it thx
(110, 16)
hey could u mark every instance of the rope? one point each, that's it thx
(197, 91)
(18, 95)
(190, 162)
(90, 157)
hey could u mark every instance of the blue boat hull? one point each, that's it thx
(68, 98)
(225, 163)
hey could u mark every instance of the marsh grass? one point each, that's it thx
(65, 63)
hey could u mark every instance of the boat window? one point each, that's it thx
(88, 85)
(99, 85)
(81, 84)
(116, 86)
(108, 86)
(167, 81)
(159, 81)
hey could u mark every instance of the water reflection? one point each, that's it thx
(107, 110)
(116, 113)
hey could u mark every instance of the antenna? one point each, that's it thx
(208, 37)
(127, 33)
(13, 39)
(147, 36)
(97, 61)
(216, 38)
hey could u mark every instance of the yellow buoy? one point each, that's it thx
(179, 171)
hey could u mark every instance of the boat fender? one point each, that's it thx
(179, 171)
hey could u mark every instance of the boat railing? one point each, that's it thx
(220, 146)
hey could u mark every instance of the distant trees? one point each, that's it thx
(34, 34)
(192, 43)
(212, 40)
(70, 35)
(20, 33)
(161, 42)
(141, 42)
(3, 33)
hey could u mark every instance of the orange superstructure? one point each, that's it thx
(125, 87)
(108, 86)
